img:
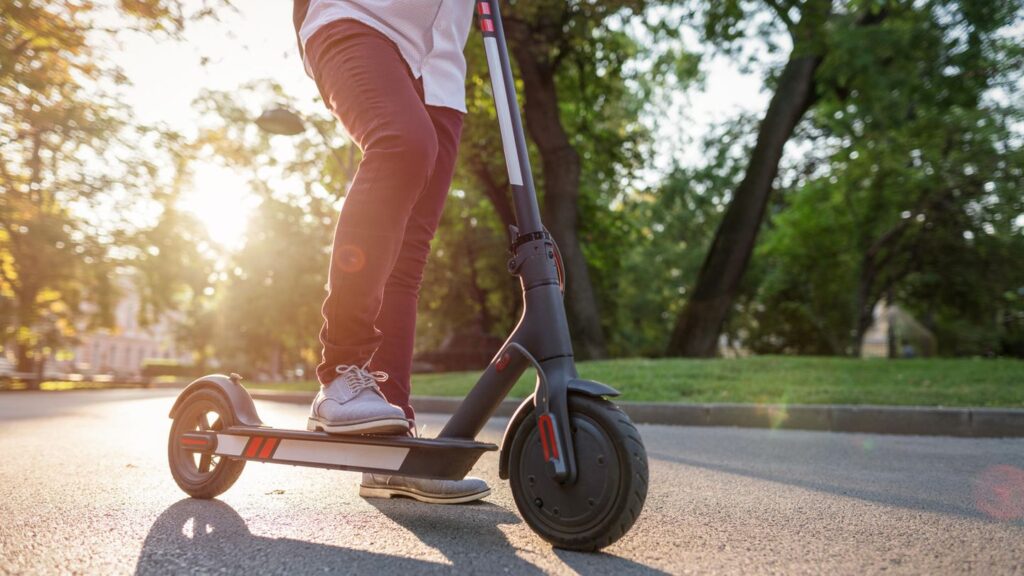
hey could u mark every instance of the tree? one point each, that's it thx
(672, 227)
(264, 310)
(916, 192)
(270, 307)
(810, 27)
(466, 287)
(68, 161)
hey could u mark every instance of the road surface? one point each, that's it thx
(87, 490)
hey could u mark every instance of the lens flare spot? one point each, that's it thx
(777, 415)
(350, 258)
(999, 492)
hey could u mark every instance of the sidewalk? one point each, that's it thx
(910, 420)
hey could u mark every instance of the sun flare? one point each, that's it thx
(221, 200)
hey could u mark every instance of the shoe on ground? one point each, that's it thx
(423, 489)
(353, 404)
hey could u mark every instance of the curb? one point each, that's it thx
(902, 420)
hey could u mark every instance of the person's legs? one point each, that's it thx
(397, 317)
(367, 85)
(385, 228)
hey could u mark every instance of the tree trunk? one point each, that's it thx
(865, 304)
(40, 371)
(275, 361)
(701, 320)
(23, 361)
(497, 193)
(27, 317)
(479, 294)
(561, 167)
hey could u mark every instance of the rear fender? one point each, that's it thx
(242, 408)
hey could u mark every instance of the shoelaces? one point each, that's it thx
(360, 378)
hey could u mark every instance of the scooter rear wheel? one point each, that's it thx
(611, 484)
(202, 475)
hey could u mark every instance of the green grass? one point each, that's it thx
(776, 379)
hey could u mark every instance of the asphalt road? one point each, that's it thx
(87, 490)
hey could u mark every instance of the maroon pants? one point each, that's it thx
(393, 207)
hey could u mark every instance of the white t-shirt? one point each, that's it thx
(430, 34)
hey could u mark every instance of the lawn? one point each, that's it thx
(776, 379)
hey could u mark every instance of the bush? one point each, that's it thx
(155, 368)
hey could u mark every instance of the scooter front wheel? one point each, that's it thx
(202, 475)
(611, 484)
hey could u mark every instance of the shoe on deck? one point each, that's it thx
(353, 404)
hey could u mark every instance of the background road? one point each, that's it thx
(87, 489)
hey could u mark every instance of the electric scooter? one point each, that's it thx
(575, 463)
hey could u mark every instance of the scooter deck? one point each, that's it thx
(442, 458)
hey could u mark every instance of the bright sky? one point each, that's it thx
(258, 42)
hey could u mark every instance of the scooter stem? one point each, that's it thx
(541, 338)
(513, 138)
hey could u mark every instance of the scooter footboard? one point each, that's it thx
(449, 459)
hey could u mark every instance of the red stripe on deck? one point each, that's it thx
(253, 447)
(268, 448)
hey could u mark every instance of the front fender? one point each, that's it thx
(238, 399)
(576, 385)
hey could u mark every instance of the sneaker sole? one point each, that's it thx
(384, 426)
(395, 492)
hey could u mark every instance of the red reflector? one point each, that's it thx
(502, 362)
(194, 442)
(544, 439)
(551, 435)
(484, 8)
(487, 25)
(547, 437)
(253, 447)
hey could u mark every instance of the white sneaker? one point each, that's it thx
(423, 489)
(353, 404)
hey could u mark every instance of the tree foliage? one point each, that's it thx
(886, 168)
(69, 153)
(918, 188)
(893, 90)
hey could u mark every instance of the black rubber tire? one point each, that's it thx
(624, 487)
(185, 472)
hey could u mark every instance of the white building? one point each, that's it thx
(124, 349)
(891, 321)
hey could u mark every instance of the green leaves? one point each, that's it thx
(917, 188)
(78, 179)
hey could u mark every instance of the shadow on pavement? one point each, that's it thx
(602, 563)
(208, 536)
(205, 536)
(957, 496)
(447, 529)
